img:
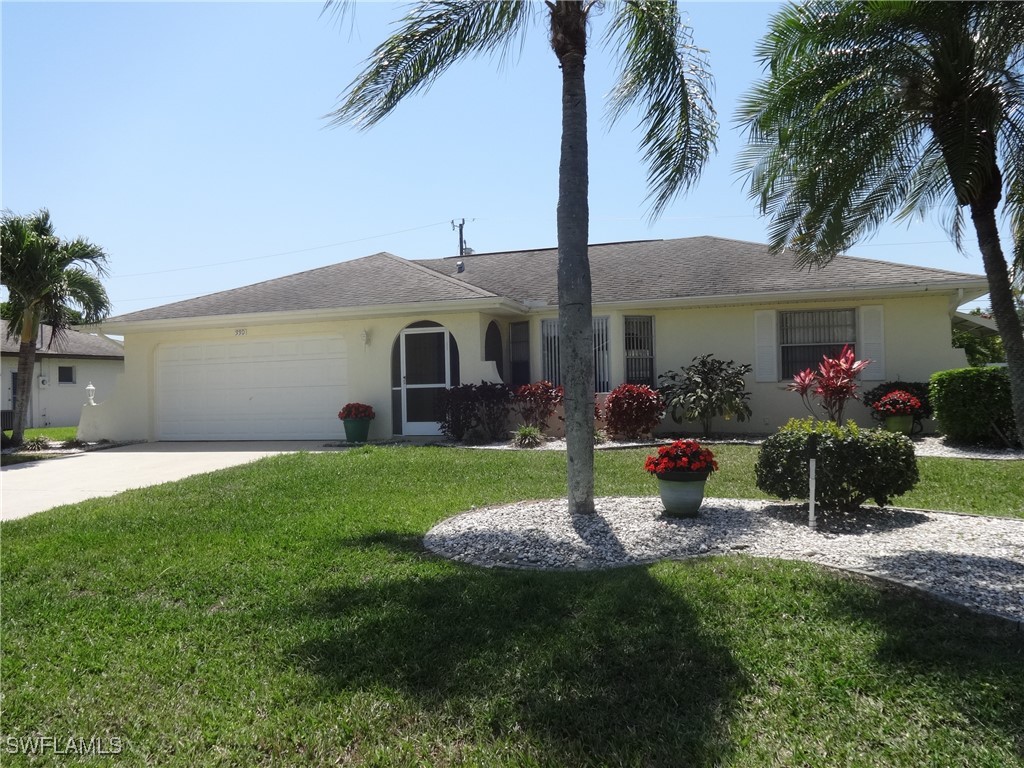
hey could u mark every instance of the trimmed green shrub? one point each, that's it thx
(853, 465)
(632, 410)
(972, 405)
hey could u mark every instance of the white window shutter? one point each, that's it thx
(766, 348)
(871, 342)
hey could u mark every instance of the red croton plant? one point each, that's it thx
(681, 456)
(356, 411)
(833, 383)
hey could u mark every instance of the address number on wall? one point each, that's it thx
(241, 331)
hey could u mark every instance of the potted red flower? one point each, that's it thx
(357, 418)
(682, 468)
(897, 410)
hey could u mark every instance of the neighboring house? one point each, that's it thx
(278, 359)
(63, 370)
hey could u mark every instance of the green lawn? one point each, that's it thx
(284, 613)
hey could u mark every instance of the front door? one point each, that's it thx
(426, 368)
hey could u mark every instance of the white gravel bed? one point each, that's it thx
(973, 560)
(928, 445)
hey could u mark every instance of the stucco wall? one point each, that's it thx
(129, 413)
(916, 333)
(57, 404)
(917, 343)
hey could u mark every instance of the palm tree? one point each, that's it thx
(47, 279)
(875, 109)
(662, 73)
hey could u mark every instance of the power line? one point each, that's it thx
(282, 253)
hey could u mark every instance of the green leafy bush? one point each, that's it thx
(33, 444)
(527, 436)
(972, 405)
(853, 465)
(632, 410)
(706, 389)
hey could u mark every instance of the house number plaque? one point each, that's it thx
(241, 331)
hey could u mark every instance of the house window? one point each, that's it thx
(639, 345)
(550, 361)
(807, 336)
(65, 374)
(519, 354)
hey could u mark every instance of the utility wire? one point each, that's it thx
(282, 253)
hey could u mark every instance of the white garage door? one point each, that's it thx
(251, 389)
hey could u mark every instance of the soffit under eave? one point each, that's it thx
(971, 292)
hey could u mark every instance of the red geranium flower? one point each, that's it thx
(681, 456)
(356, 411)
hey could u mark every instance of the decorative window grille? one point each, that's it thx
(808, 335)
(602, 363)
(550, 360)
(639, 344)
(551, 370)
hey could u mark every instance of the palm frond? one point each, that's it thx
(668, 77)
(874, 109)
(432, 36)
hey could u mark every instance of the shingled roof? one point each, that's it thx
(696, 268)
(70, 344)
(370, 281)
(690, 268)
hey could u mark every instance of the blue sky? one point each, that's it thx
(189, 141)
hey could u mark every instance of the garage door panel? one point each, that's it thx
(251, 389)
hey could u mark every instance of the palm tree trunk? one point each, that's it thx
(26, 366)
(575, 328)
(983, 214)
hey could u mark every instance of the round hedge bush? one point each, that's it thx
(853, 465)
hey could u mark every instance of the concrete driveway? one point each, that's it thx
(34, 486)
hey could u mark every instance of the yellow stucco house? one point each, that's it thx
(278, 359)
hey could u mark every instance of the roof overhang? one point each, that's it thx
(963, 290)
(494, 304)
(976, 325)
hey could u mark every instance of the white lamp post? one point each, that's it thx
(90, 392)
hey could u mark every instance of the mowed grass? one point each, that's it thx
(285, 613)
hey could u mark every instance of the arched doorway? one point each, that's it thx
(424, 362)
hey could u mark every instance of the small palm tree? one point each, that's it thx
(49, 280)
(662, 73)
(875, 109)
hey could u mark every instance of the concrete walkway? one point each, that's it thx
(34, 486)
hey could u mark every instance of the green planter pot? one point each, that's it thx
(682, 492)
(902, 424)
(357, 430)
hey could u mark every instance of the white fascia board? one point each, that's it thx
(484, 304)
(972, 289)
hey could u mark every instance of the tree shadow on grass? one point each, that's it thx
(927, 639)
(591, 668)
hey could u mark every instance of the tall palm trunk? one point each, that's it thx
(983, 214)
(575, 328)
(26, 367)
